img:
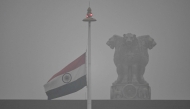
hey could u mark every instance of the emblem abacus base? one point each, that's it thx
(130, 92)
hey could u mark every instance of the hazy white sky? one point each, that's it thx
(40, 37)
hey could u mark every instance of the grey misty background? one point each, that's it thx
(40, 37)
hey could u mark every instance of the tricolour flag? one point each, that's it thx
(69, 80)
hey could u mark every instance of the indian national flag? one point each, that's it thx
(69, 80)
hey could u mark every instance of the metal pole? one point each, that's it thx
(89, 104)
(89, 19)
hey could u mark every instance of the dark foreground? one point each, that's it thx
(96, 104)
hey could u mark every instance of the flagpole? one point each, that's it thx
(89, 19)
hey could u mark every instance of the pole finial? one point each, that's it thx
(89, 15)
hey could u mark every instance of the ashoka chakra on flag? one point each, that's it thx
(66, 78)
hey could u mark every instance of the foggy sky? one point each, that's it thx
(40, 37)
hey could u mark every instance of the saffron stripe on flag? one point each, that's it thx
(73, 65)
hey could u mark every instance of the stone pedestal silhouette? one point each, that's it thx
(130, 92)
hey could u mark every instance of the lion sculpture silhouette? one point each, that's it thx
(131, 56)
